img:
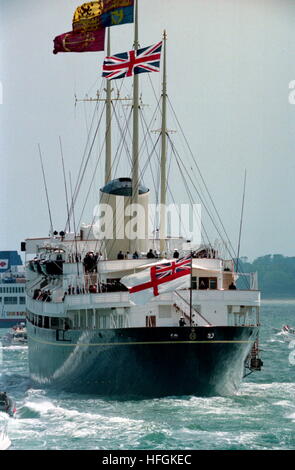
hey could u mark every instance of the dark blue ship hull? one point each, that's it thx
(140, 362)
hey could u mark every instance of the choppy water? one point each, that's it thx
(260, 416)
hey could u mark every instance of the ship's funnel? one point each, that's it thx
(122, 226)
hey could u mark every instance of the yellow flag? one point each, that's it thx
(87, 17)
(93, 16)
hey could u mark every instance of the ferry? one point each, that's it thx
(12, 289)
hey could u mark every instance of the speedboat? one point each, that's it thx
(288, 333)
(7, 405)
(16, 336)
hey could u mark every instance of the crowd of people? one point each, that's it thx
(150, 254)
(90, 262)
(44, 296)
(127, 255)
(113, 285)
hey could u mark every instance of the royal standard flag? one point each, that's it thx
(93, 16)
(80, 41)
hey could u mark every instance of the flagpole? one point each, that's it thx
(108, 160)
(135, 142)
(163, 154)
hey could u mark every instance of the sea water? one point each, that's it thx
(260, 416)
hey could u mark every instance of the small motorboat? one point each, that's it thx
(7, 405)
(288, 333)
(5, 442)
(16, 336)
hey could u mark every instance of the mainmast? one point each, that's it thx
(135, 143)
(163, 154)
(108, 159)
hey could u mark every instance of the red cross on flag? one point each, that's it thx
(159, 278)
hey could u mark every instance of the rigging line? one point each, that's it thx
(75, 195)
(147, 133)
(65, 181)
(116, 157)
(148, 125)
(129, 133)
(191, 200)
(87, 142)
(192, 157)
(153, 171)
(148, 162)
(167, 179)
(90, 185)
(86, 146)
(78, 183)
(149, 155)
(46, 190)
(191, 197)
(82, 161)
(173, 201)
(200, 196)
(241, 221)
(147, 130)
(124, 143)
(97, 81)
(114, 112)
(246, 283)
(178, 161)
(123, 133)
(92, 180)
(156, 95)
(75, 232)
(201, 176)
(85, 117)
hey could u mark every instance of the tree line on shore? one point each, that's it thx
(276, 274)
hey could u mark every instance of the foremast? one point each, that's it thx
(108, 159)
(163, 199)
(135, 140)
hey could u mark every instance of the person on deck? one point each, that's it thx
(182, 321)
(176, 254)
(232, 286)
(150, 254)
(120, 255)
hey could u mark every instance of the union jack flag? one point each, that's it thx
(133, 62)
(176, 268)
(171, 273)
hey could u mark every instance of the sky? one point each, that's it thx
(230, 63)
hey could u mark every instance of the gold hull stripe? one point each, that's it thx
(135, 343)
